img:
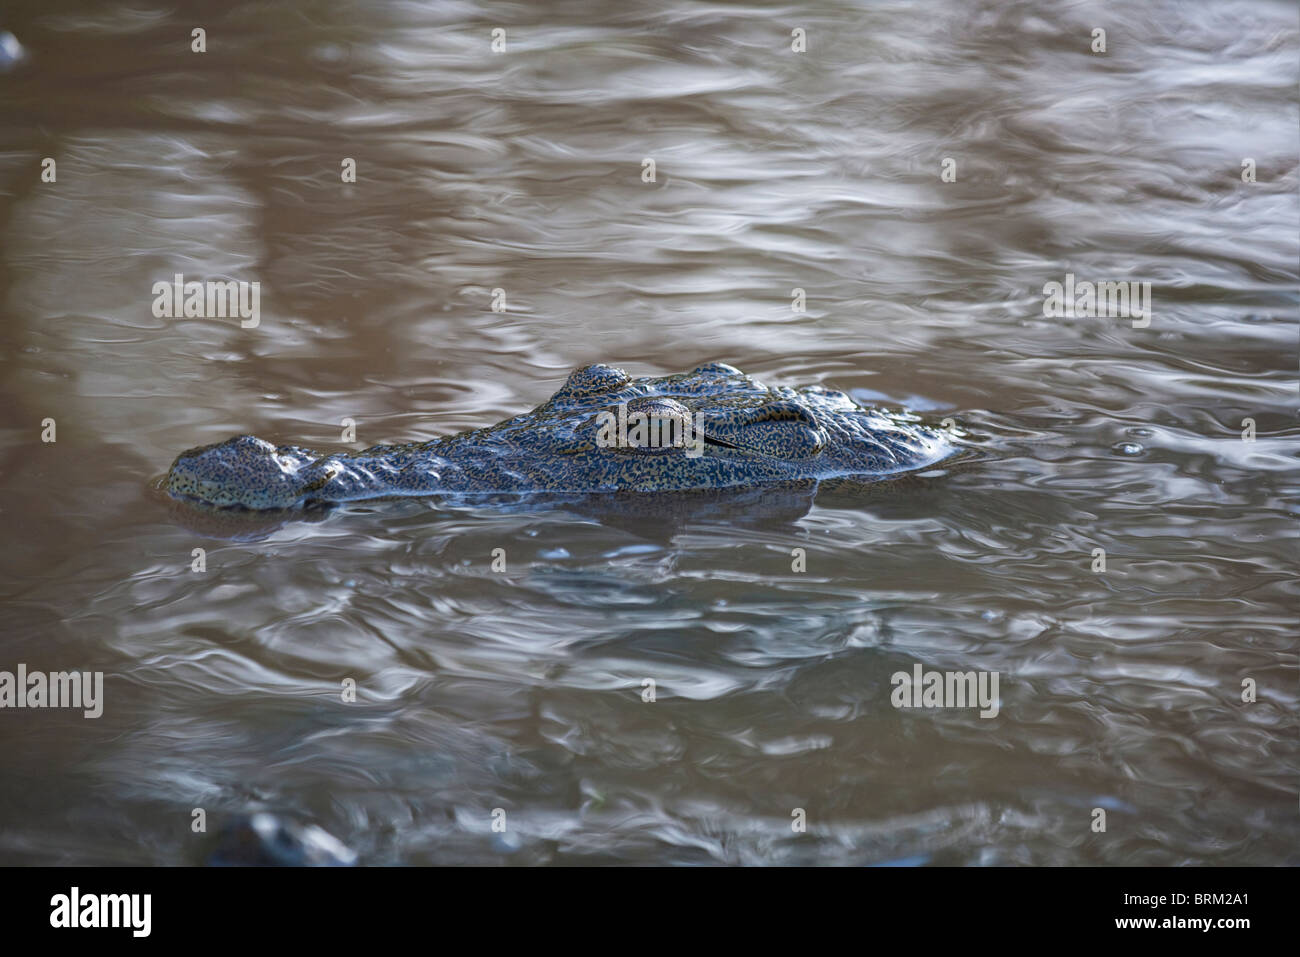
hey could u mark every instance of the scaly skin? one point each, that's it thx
(753, 436)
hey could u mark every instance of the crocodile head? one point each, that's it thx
(603, 431)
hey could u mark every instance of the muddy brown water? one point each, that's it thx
(522, 689)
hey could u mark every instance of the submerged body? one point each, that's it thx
(713, 428)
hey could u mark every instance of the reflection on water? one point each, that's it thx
(521, 687)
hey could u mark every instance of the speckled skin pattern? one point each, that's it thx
(753, 436)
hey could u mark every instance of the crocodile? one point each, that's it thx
(714, 428)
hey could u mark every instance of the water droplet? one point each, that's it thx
(632, 550)
(11, 51)
(331, 53)
(506, 843)
(1127, 448)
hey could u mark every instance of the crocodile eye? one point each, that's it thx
(647, 425)
(658, 432)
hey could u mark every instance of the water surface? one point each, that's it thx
(522, 689)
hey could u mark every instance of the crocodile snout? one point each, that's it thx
(243, 471)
